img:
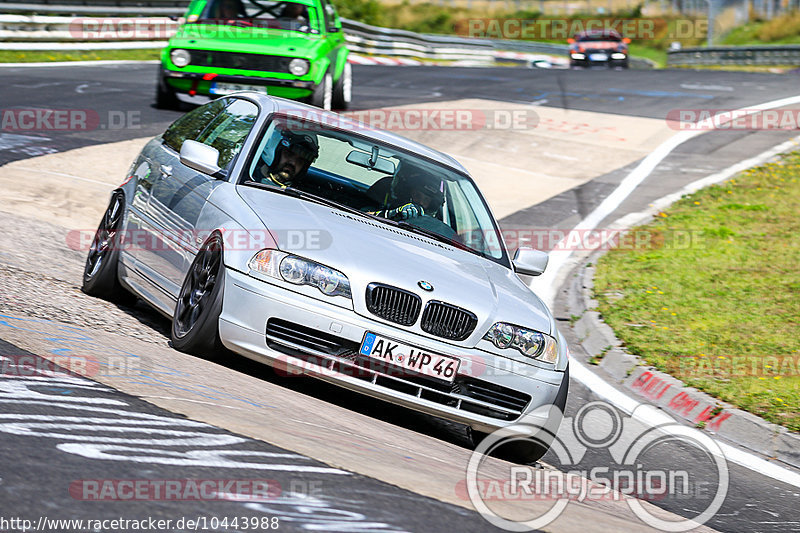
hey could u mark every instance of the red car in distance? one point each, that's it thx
(598, 47)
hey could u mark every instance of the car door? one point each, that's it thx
(161, 157)
(179, 192)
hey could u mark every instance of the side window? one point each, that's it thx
(228, 131)
(192, 124)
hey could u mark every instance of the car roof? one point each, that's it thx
(315, 114)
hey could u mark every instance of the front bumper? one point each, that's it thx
(186, 82)
(487, 394)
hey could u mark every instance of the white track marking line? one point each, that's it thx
(656, 417)
(83, 63)
(64, 175)
(546, 284)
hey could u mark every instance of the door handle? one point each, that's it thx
(166, 171)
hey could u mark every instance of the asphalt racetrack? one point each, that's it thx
(333, 460)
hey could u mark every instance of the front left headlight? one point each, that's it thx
(528, 342)
(618, 55)
(300, 271)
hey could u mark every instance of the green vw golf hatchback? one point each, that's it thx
(292, 49)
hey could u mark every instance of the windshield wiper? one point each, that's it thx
(297, 193)
(433, 235)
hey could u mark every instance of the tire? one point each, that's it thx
(166, 97)
(100, 276)
(528, 451)
(343, 89)
(195, 322)
(323, 93)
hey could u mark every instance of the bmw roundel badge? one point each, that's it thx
(425, 286)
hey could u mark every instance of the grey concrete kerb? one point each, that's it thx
(597, 341)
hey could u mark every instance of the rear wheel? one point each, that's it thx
(100, 271)
(195, 323)
(343, 89)
(323, 93)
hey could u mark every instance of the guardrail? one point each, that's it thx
(373, 40)
(736, 55)
(77, 32)
(95, 8)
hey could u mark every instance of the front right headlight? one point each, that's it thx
(300, 271)
(298, 67)
(180, 58)
(528, 342)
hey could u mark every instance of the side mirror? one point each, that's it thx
(200, 157)
(626, 40)
(530, 262)
(570, 40)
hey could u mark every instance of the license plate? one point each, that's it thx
(228, 88)
(401, 355)
(598, 57)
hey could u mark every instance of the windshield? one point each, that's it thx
(377, 179)
(292, 16)
(599, 37)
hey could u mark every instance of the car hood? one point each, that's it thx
(268, 41)
(368, 251)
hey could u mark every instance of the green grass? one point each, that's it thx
(719, 291)
(784, 29)
(36, 56)
(657, 55)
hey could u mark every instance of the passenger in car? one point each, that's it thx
(293, 156)
(413, 192)
(228, 10)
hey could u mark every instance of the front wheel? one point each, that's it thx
(343, 89)
(195, 323)
(100, 271)
(165, 96)
(323, 93)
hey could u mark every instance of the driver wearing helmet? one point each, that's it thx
(415, 192)
(293, 155)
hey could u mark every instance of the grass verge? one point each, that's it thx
(43, 56)
(714, 299)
